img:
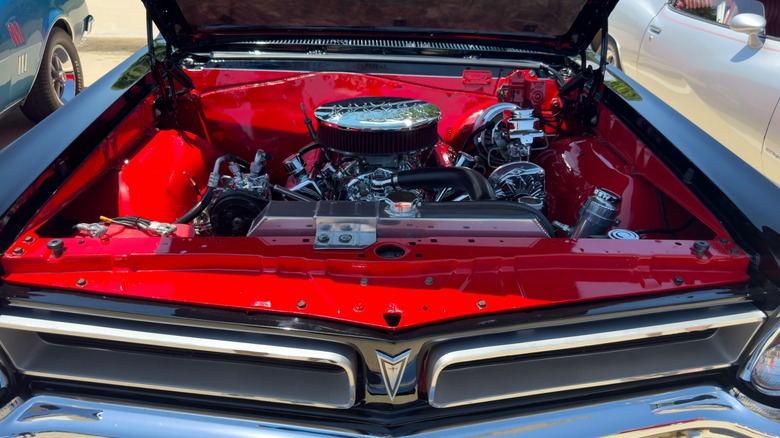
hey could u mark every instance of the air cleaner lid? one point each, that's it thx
(378, 125)
(378, 114)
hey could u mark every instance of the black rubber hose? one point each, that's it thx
(576, 82)
(198, 208)
(469, 180)
(212, 184)
(471, 141)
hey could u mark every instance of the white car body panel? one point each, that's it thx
(708, 73)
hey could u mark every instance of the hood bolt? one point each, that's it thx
(57, 246)
(700, 248)
(481, 304)
(81, 282)
(678, 280)
(28, 239)
(323, 238)
(18, 251)
(429, 281)
(734, 251)
(364, 281)
(301, 304)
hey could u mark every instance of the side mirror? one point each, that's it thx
(752, 25)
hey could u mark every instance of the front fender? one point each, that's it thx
(35, 165)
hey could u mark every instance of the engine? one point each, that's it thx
(368, 149)
(386, 153)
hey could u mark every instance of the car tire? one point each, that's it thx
(60, 77)
(613, 57)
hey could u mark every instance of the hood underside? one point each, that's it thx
(561, 25)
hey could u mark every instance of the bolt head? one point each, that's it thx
(55, 244)
(345, 238)
(301, 304)
(429, 281)
(81, 282)
(481, 304)
(18, 251)
(28, 239)
(364, 281)
(678, 280)
(700, 246)
(323, 238)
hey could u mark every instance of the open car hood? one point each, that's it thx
(564, 26)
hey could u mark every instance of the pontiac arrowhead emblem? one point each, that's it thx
(392, 369)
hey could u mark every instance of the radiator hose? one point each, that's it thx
(468, 180)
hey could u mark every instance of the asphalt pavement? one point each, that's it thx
(119, 31)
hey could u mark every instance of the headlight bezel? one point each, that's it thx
(767, 339)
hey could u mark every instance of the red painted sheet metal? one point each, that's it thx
(427, 285)
(268, 114)
(143, 171)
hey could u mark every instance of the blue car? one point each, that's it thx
(39, 65)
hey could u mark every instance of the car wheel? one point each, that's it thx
(612, 54)
(59, 79)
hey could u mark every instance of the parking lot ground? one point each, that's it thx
(118, 32)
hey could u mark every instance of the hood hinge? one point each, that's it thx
(589, 111)
(164, 72)
(164, 105)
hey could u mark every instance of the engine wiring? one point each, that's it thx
(159, 228)
(668, 230)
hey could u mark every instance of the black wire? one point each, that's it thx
(663, 210)
(668, 229)
(133, 220)
(671, 231)
(470, 140)
(309, 148)
(557, 128)
(553, 72)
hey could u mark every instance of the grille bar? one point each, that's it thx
(490, 368)
(328, 380)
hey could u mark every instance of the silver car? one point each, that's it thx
(715, 61)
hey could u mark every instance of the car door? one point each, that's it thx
(693, 60)
(9, 40)
(29, 16)
(627, 26)
(771, 151)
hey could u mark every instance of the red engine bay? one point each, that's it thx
(381, 200)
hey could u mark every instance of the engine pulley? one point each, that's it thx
(233, 212)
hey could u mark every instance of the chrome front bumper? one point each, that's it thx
(701, 410)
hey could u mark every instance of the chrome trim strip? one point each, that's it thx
(41, 361)
(586, 335)
(173, 341)
(698, 410)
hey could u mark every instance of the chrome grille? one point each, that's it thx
(586, 355)
(330, 365)
(182, 359)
